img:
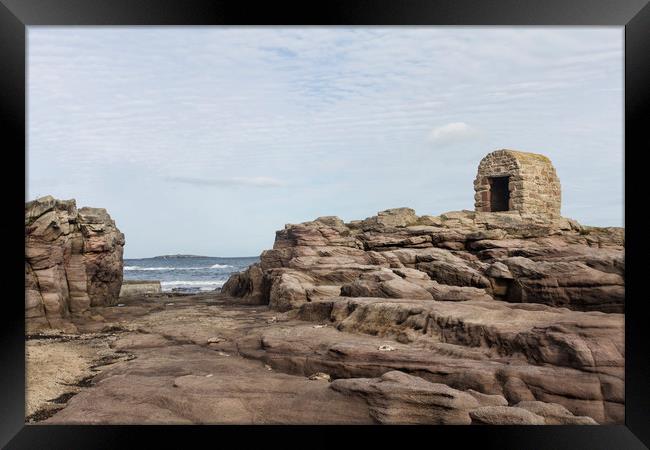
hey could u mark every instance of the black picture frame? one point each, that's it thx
(16, 15)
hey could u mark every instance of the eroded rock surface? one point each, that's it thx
(204, 360)
(511, 256)
(464, 318)
(73, 260)
(499, 304)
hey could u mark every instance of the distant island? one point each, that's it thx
(181, 256)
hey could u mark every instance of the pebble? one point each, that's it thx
(223, 354)
(267, 367)
(320, 376)
(209, 375)
(320, 326)
(169, 304)
(386, 348)
(272, 319)
(120, 304)
(215, 340)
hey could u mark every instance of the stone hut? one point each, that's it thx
(509, 180)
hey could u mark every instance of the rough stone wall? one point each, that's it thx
(533, 184)
(73, 260)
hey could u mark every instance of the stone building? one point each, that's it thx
(509, 180)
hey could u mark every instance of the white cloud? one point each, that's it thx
(452, 132)
(345, 113)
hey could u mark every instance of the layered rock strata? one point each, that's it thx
(500, 304)
(73, 260)
(457, 256)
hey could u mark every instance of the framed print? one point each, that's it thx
(367, 218)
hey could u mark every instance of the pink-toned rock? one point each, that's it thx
(555, 414)
(503, 303)
(504, 415)
(514, 256)
(399, 398)
(73, 260)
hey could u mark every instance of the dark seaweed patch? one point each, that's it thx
(63, 398)
(42, 414)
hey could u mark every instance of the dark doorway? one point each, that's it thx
(499, 193)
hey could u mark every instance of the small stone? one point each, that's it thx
(120, 304)
(222, 354)
(386, 348)
(169, 304)
(272, 319)
(209, 375)
(320, 376)
(319, 326)
(215, 340)
(267, 367)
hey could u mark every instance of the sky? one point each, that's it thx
(206, 140)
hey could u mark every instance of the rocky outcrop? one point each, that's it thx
(501, 304)
(73, 260)
(511, 256)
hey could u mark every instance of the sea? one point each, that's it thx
(186, 273)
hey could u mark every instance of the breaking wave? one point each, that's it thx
(216, 266)
(206, 285)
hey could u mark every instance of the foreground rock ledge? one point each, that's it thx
(502, 304)
(205, 360)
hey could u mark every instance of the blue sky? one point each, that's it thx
(206, 140)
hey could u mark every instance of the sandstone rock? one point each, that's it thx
(73, 260)
(447, 293)
(488, 399)
(504, 415)
(516, 256)
(248, 286)
(399, 398)
(555, 414)
(518, 351)
(384, 283)
(503, 303)
(289, 290)
(396, 217)
(565, 283)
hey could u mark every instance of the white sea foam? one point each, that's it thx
(216, 266)
(206, 285)
(193, 283)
